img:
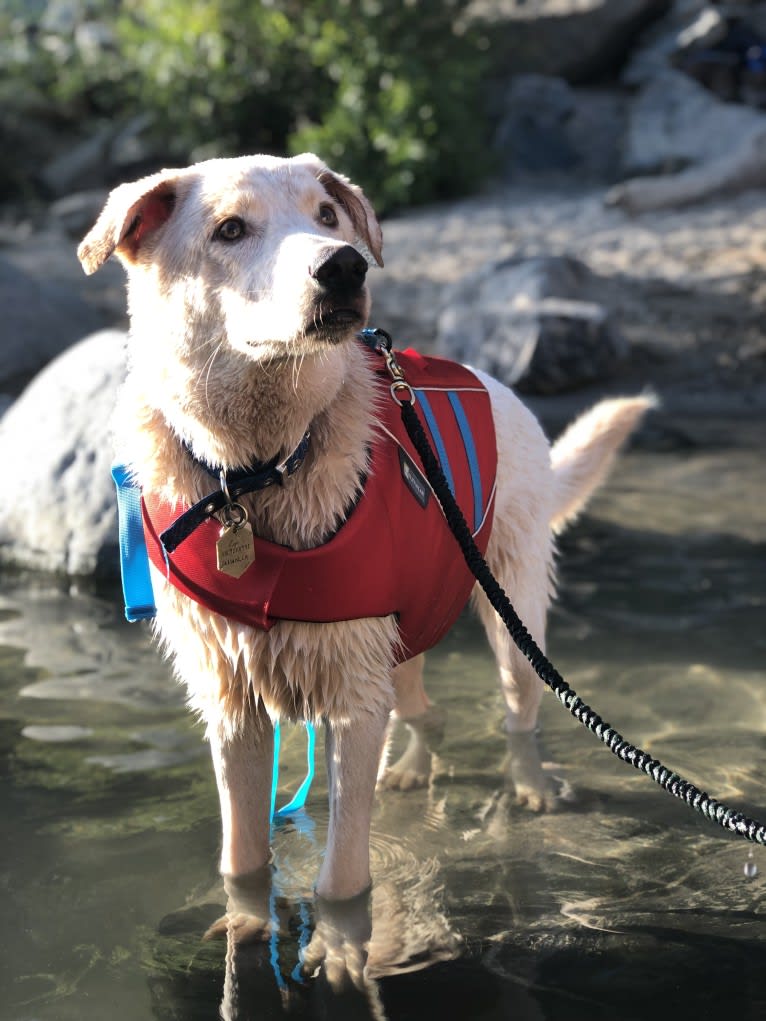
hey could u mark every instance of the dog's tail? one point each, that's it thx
(584, 453)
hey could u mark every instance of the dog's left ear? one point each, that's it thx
(353, 200)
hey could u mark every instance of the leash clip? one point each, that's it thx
(401, 391)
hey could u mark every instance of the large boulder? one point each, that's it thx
(678, 125)
(40, 319)
(58, 511)
(675, 122)
(687, 25)
(580, 40)
(720, 45)
(545, 126)
(532, 323)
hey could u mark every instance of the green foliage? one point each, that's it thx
(385, 90)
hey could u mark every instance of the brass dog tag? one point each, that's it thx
(235, 550)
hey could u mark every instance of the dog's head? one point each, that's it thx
(266, 256)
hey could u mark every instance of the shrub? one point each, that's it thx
(385, 90)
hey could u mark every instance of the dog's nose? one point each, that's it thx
(344, 269)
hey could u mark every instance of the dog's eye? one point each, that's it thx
(230, 230)
(327, 215)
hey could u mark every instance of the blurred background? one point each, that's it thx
(572, 198)
(570, 190)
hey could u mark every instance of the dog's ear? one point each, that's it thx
(358, 207)
(132, 213)
(353, 200)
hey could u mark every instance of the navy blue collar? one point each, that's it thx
(256, 476)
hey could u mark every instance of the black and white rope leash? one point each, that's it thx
(715, 811)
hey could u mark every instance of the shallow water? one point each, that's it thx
(623, 903)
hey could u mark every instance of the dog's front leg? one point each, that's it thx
(353, 751)
(243, 763)
(344, 926)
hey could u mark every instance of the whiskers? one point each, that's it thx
(206, 369)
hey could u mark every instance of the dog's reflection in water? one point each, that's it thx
(333, 951)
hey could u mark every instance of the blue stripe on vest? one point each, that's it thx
(470, 453)
(134, 558)
(441, 450)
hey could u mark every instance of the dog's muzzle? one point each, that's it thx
(339, 303)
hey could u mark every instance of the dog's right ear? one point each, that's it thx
(132, 213)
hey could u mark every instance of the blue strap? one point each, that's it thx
(441, 450)
(274, 942)
(134, 559)
(303, 941)
(275, 769)
(298, 800)
(470, 452)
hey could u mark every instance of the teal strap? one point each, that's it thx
(275, 769)
(298, 800)
(139, 604)
(134, 559)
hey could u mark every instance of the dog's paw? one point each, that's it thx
(402, 778)
(415, 766)
(248, 914)
(533, 787)
(542, 798)
(338, 946)
(239, 928)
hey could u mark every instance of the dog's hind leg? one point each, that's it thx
(424, 723)
(526, 580)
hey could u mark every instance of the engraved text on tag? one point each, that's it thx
(235, 550)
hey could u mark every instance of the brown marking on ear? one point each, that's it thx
(358, 207)
(132, 212)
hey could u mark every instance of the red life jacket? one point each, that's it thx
(393, 554)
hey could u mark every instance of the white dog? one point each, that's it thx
(247, 293)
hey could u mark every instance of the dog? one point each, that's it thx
(247, 292)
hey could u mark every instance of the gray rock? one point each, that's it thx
(83, 165)
(547, 126)
(58, 511)
(741, 169)
(686, 25)
(40, 319)
(532, 322)
(132, 148)
(76, 213)
(707, 28)
(675, 122)
(678, 125)
(580, 40)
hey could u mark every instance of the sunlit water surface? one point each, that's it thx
(624, 903)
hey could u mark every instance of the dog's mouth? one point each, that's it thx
(334, 319)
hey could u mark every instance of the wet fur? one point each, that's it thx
(230, 355)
